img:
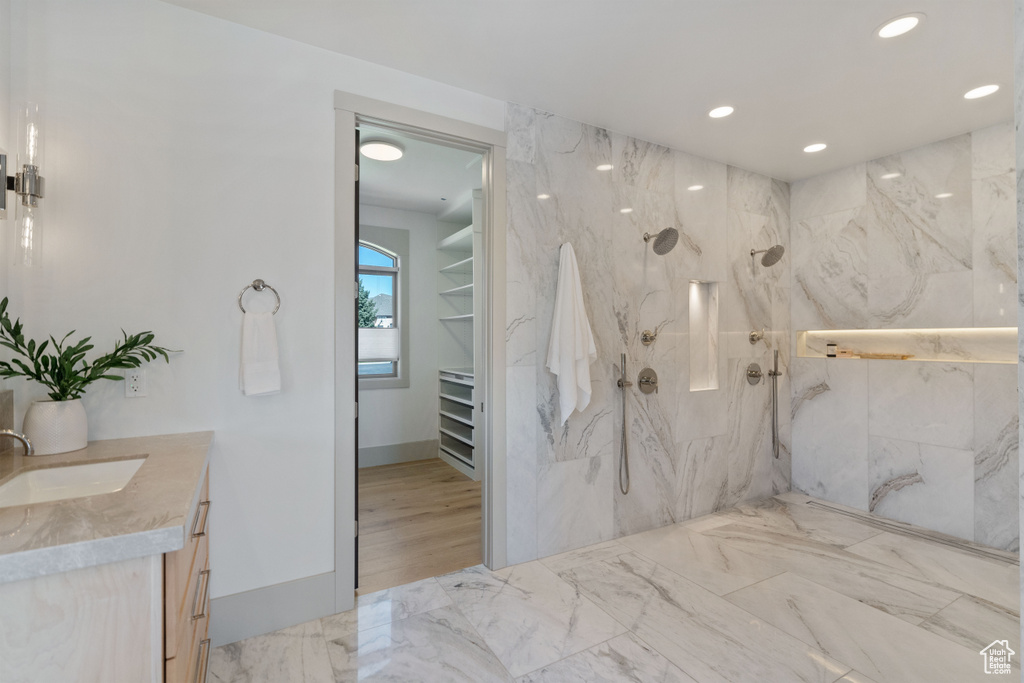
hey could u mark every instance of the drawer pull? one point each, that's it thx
(202, 661)
(204, 583)
(204, 508)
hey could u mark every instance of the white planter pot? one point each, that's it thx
(56, 426)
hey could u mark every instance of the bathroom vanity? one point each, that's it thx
(111, 586)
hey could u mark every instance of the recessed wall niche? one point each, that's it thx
(703, 335)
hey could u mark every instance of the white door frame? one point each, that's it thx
(350, 109)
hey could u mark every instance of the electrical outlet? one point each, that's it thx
(135, 383)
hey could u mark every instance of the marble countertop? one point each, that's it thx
(146, 517)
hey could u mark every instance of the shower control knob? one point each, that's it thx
(648, 381)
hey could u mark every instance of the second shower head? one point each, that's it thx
(772, 255)
(664, 241)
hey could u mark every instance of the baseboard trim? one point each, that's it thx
(392, 454)
(264, 610)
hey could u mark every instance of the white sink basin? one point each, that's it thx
(72, 481)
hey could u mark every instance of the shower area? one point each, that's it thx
(685, 288)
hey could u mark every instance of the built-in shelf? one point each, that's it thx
(457, 437)
(464, 316)
(461, 372)
(461, 240)
(460, 456)
(456, 399)
(951, 344)
(464, 290)
(463, 266)
(457, 418)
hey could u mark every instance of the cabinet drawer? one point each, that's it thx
(186, 579)
(192, 662)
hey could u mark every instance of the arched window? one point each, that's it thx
(377, 310)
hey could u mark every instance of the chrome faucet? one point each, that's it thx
(20, 437)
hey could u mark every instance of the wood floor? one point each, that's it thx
(416, 520)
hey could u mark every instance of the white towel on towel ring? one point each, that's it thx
(260, 372)
(571, 349)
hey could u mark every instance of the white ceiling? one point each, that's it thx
(797, 71)
(429, 178)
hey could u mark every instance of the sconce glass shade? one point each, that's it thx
(29, 183)
(28, 238)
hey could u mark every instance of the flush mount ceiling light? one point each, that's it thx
(604, 167)
(900, 25)
(890, 176)
(816, 147)
(944, 195)
(719, 112)
(381, 150)
(543, 196)
(626, 210)
(694, 188)
(982, 91)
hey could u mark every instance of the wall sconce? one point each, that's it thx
(29, 185)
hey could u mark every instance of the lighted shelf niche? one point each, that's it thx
(949, 344)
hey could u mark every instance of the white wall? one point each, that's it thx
(405, 415)
(187, 156)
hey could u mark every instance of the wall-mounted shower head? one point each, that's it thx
(772, 255)
(664, 241)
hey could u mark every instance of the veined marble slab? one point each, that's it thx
(990, 579)
(897, 593)
(386, 606)
(788, 515)
(706, 560)
(527, 615)
(439, 645)
(293, 655)
(623, 658)
(888, 649)
(591, 553)
(974, 623)
(707, 637)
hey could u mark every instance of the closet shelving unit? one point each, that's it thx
(459, 345)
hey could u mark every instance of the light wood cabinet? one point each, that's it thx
(187, 600)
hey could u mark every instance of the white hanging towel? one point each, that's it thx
(571, 350)
(259, 372)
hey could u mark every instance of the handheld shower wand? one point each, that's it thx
(774, 374)
(623, 384)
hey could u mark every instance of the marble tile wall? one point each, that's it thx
(934, 444)
(1018, 115)
(690, 452)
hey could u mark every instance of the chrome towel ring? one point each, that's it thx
(259, 286)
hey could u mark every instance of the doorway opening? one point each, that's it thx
(489, 372)
(419, 341)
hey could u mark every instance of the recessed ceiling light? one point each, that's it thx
(381, 150)
(890, 176)
(816, 147)
(626, 210)
(900, 25)
(694, 188)
(604, 167)
(543, 196)
(980, 92)
(944, 195)
(719, 112)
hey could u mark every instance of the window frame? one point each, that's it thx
(392, 243)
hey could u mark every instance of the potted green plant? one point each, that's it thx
(59, 424)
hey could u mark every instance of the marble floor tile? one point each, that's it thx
(898, 593)
(439, 645)
(527, 615)
(975, 623)
(590, 553)
(886, 648)
(383, 607)
(701, 633)
(792, 517)
(990, 579)
(706, 560)
(298, 654)
(624, 658)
